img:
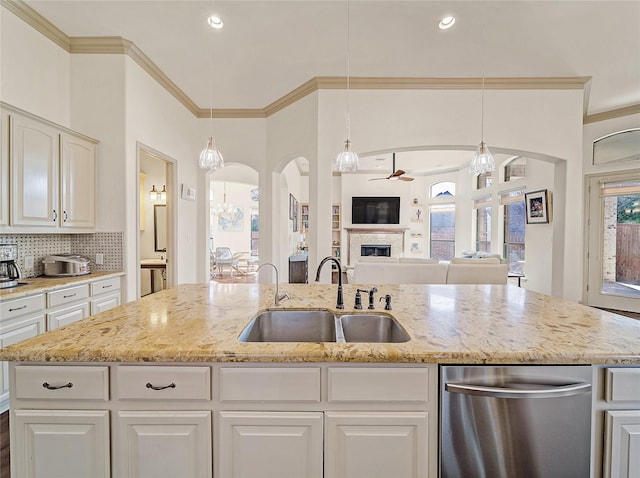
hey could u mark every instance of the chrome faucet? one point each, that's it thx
(339, 301)
(278, 297)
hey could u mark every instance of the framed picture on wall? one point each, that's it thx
(537, 204)
(291, 200)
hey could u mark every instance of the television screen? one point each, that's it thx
(375, 210)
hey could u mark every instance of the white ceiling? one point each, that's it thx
(268, 48)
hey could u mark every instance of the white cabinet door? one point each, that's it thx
(4, 168)
(67, 315)
(157, 444)
(34, 173)
(16, 332)
(270, 445)
(376, 444)
(77, 180)
(622, 452)
(61, 443)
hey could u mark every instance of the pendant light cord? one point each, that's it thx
(484, 13)
(348, 68)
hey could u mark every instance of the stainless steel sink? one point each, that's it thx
(322, 326)
(291, 326)
(372, 328)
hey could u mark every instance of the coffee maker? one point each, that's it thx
(9, 270)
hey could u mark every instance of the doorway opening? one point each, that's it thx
(156, 231)
(614, 233)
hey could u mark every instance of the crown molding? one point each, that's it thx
(611, 114)
(37, 22)
(119, 45)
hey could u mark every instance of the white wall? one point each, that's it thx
(34, 75)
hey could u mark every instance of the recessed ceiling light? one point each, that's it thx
(446, 22)
(215, 22)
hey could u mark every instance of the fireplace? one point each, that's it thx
(383, 250)
(389, 237)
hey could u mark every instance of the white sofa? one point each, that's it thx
(393, 270)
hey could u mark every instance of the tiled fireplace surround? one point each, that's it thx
(41, 245)
(356, 237)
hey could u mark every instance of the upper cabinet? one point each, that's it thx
(34, 157)
(52, 176)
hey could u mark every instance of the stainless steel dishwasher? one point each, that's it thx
(515, 421)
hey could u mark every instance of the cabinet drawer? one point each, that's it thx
(70, 382)
(68, 295)
(270, 384)
(15, 308)
(163, 383)
(393, 384)
(623, 385)
(67, 315)
(105, 286)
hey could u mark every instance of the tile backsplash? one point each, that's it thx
(38, 246)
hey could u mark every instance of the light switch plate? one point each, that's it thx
(28, 262)
(99, 258)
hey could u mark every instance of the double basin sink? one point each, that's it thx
(322, 326)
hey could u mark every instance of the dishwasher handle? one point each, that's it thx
(505, 392)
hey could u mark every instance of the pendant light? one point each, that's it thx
(482, 161)
(347, 160)
(210, 157)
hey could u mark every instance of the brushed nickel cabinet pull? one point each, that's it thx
(55, 216)
(107, 286)
(18, 308)
(67, 296)
(56, 387)
(154, 387)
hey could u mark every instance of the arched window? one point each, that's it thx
(443, 189)
(515, 169)
(484, 180)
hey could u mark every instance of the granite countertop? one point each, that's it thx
(41, 284)
(447, 324)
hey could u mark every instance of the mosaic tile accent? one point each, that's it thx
(41, 245)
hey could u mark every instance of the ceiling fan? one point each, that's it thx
(397, 174)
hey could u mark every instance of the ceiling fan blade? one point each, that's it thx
(399, 172)
(406, 179)
(377, 179)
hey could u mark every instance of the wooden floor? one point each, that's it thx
(5, 469)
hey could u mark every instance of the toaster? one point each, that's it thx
(61, 265)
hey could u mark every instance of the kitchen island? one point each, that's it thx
(167, 373)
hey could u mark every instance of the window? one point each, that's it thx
(443, 189)
(514, 227)
(482, 207)
(484, 180)
(515, 169)
(442, 232)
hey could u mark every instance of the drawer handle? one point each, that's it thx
(67, 296)
(107, 286)
(56, 387)
(154, 387)
(18, 308)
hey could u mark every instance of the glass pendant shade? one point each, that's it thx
(162, 195)
(153, 194)
(347, 160)
(210, 157)
(482, 161)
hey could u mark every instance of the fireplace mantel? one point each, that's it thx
(400, 230)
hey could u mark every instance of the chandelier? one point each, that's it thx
(226, 210)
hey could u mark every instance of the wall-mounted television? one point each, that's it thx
(375, 210)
